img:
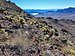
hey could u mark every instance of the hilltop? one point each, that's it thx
(21, 34)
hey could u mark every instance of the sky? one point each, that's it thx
(44, 4)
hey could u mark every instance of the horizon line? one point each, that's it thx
(50, 8)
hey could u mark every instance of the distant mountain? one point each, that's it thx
(67, 10)
(38, 11)
(67, 13)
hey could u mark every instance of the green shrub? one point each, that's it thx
(46, 37)
(4, 35)
(43, 29)
(52, 32)
(32, 21)
(14, 19)
(22, 21)
(8, 17)
(2, 30)
(5, 12)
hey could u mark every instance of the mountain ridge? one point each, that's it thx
(56, 14)
(54, 10)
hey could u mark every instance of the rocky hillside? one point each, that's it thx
(23, 35)
(12, 8)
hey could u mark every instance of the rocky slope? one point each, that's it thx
(23, 35)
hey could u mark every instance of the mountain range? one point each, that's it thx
(66, 13)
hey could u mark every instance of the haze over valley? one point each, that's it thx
(66, 13)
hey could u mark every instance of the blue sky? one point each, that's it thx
(44, 4)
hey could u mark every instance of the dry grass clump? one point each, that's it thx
(69, 49)
(3, 35)
(19, 38)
